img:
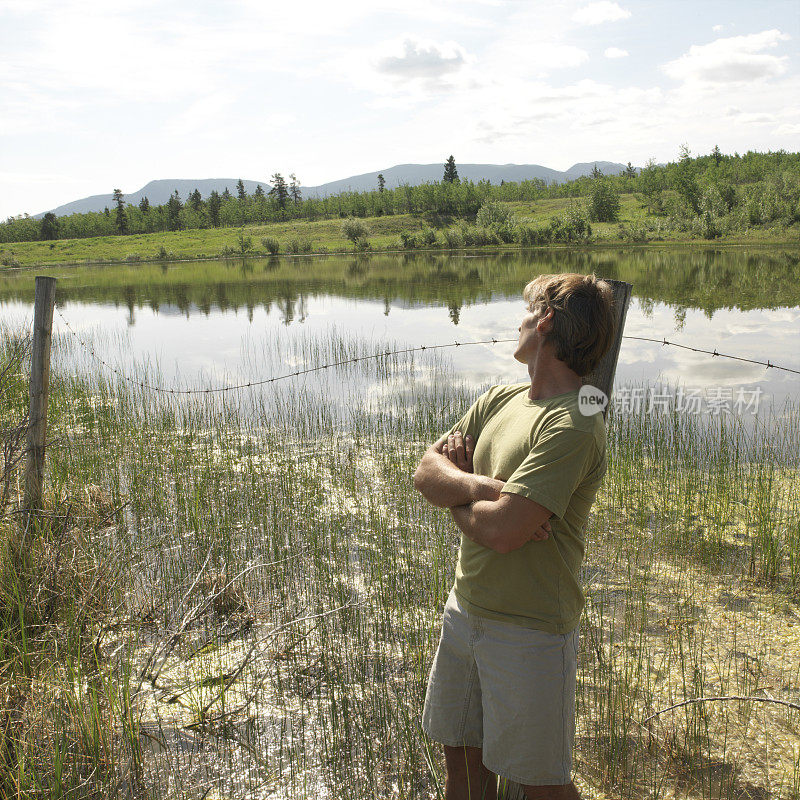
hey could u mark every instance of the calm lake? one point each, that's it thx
(214, 323)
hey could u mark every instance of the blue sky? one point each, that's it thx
(97, 95)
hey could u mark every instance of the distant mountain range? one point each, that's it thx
(158, 192)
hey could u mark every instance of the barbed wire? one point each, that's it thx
(768, 364)
(384, 354)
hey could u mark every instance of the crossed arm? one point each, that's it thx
(500, 521)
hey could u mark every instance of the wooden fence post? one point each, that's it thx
(39, 390)
(603, 378)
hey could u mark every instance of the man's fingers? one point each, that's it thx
(461, 459)
(469, 448)
(542, 532)
(459, 449)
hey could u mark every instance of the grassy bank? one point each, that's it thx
(277, 586)
(384, 233)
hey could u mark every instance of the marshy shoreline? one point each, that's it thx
(247, 605)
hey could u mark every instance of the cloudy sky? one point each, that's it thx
(96, 95)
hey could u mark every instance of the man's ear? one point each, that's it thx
(545, 322)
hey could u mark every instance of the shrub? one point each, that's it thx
(506, 232)
(354, 230)
(492, 213)
(408, 240)
(478, 236)
(528, 236)
(453, 238)
(713, 202)
(571, 226)
(132, 257)
(635, 232)
(427, 237)
(603, 201)
(271, 245)
(708, 225)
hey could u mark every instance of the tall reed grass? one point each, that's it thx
(274, 588)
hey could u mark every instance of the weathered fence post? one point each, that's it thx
(603, 376)
(603, 379)
(39, 390)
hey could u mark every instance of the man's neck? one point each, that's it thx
(551, 377)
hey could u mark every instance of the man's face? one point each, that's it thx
(533, 325)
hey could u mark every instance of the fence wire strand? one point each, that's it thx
(385, 354)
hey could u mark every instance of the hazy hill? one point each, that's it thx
(158, 192)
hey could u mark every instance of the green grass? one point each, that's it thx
(326, 236)
(281, 583)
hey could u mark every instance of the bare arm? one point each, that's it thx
(504, 524)
(446, 483)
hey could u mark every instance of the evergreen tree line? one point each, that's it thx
(710, 195)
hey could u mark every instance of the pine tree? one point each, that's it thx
(49, 229)
(174, 207)
(294, 189)
(716, 154)
(381, 182)
(259, 192)
(214, 205)
(195, 200)
(121, 218)
(630, 172)
(144, 205)
(450, 171)
(596, 173)
(241, 190)
(226, 195)
(279, 190)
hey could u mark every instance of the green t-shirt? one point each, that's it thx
(547, 451)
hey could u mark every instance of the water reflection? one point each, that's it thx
(196, 319)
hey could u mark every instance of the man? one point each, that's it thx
(519, 473)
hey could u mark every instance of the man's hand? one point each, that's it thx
(438, 481)
(442, 482)
(459, 450)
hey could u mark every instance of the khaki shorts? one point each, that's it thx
(507, 689)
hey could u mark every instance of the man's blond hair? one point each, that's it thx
(584, 322)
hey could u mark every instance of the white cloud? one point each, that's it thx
(615, 52)
(425, 61)
(555, 56)
(735, 59)
(495, 80)
(717, 28)
(753, 118)
(597, 13)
